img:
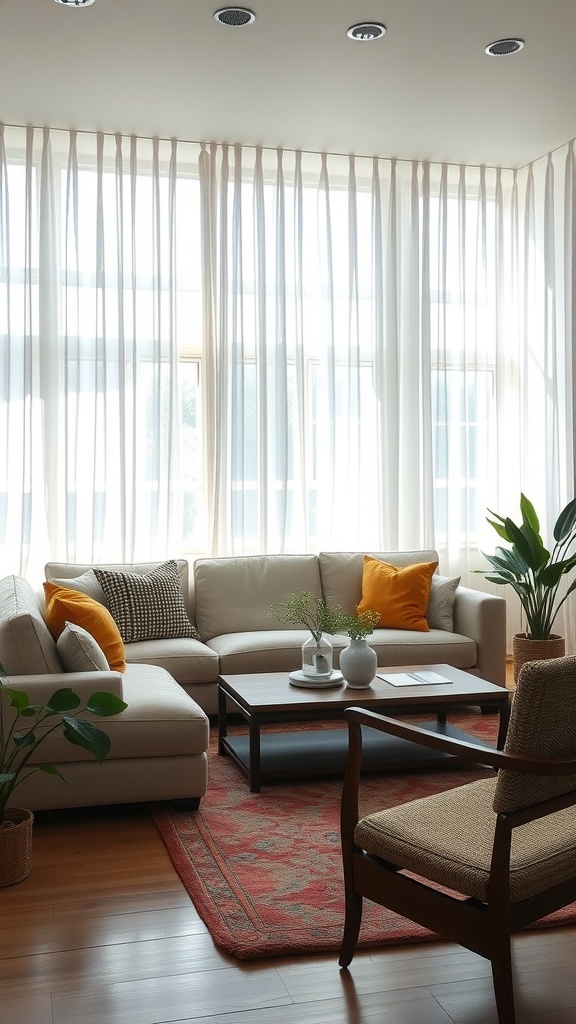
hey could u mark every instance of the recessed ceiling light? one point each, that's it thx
(504, 47)
(366, 31)
(235, 17)
(75, 3)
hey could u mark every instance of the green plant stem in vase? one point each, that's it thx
(359, 626)
(320, 615)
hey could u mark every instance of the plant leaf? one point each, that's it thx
(18, 699)
(49, 769)
(551, 574)
(105, 704)
(528, 544)
(29, 712)
(7, 777)
(63, 700)
(23, 740)
(499, 527)
(566, 522)
(84, 734)
(529, 514)
(503, 564)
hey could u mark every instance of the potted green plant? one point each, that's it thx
(535, 573)
(23, 728)
(320, 615)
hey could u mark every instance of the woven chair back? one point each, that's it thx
(542, 724)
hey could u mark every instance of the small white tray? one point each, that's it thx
(299, 679)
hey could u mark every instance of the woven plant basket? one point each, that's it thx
(15, 845)
(524, 649)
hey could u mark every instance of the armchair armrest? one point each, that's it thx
(482, 617)
(471, 753)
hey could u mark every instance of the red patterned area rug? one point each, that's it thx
(264, 869)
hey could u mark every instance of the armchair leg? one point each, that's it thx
(352, 922)
(503, 984)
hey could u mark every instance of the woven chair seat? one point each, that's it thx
(448, 839)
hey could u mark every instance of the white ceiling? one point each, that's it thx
(425, 90)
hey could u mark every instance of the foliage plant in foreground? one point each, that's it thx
(25, 726)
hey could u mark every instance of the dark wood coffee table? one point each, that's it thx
(268, 698)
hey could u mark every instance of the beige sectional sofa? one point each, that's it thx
(229, 600)
(170, 685)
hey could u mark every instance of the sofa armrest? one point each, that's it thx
(40, 688)
(482, 617)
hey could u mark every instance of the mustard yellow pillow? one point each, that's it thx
(66, 605)
(400, 594)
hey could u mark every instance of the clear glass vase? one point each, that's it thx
(317, 657)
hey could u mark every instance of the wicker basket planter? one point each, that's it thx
(524, 649)
(15, 845)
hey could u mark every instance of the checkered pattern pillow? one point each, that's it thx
(147, 606)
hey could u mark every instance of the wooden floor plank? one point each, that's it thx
(171, 998)
(100, 965)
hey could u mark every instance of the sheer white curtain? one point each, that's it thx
(223, 349)
(315, 363)
(92, 262)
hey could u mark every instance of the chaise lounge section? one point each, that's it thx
(159, 742)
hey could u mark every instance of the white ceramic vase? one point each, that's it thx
(358, 664)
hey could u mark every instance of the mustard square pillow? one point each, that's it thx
(399, 593)
(66, 605)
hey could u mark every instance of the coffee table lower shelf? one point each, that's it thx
(323, 752)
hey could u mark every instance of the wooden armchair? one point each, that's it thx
(507, 843)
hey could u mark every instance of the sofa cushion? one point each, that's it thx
(399, 594)
(65, 605)
(235, 595)
(26, 646)
(440, 610)
(79, 651)
(147, 606)
(409, 647)
(341, 571)
(187, 660)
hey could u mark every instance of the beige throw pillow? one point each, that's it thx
(440, 610)
(79, 651)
